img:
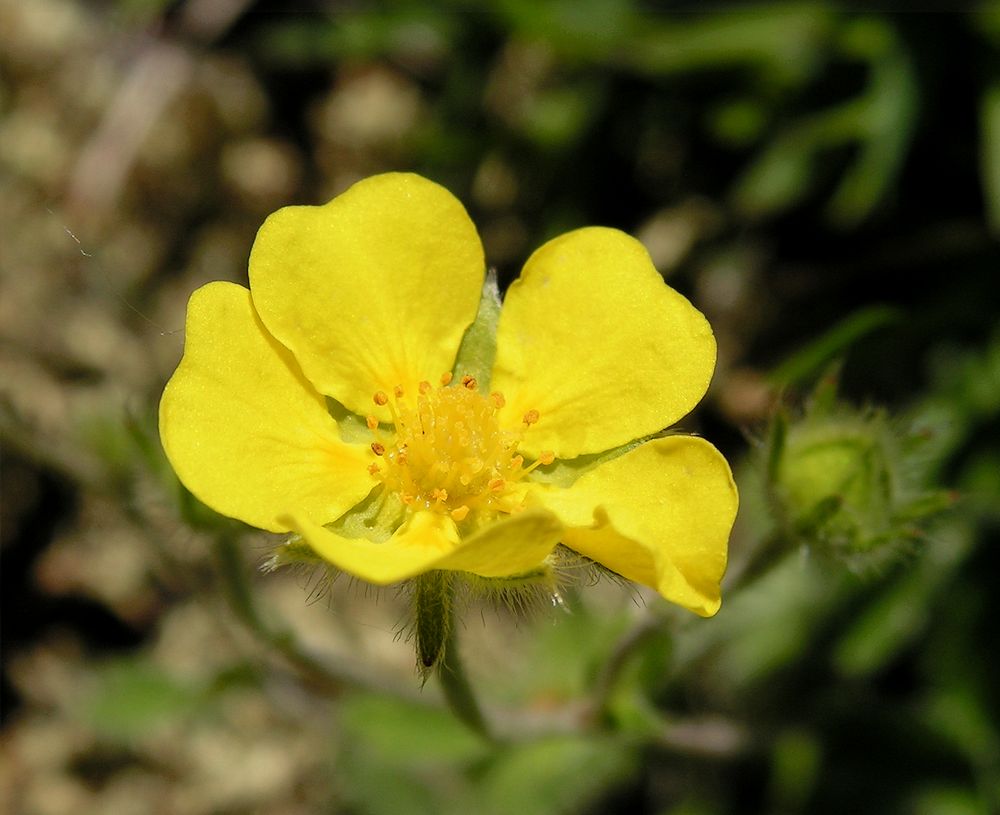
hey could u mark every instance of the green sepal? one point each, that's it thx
(518, 593)
(479, 345)
(375, 518)
(294, 551)
(563, 472)
(353, 428)
(433, 597)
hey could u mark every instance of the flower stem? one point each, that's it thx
(437, 646)
(458, 691)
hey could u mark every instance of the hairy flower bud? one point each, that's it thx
(849, 482)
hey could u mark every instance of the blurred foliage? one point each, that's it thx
(822, 181)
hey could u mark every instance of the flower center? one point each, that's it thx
(449, 452)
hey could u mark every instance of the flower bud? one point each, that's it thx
(849, 483)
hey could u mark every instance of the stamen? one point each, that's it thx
(545, 457)
(446, 450)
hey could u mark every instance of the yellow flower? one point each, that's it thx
(365, 301)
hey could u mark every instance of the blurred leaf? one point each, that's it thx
(889, 115)
(738, 122)
(309, 39)
(808, 361)
(565, 654)
(553, 776)
(777, 179)
(795, 763)
(405, 734)
(989, 125)
(131, 697)
(558, 116)
(576, 28)
(374, 788)
(947, 801)
(880, 122)
(898, 615)
(781, 38)
(761, 628)
(963, 719)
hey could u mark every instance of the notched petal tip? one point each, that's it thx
(648, 370)
(373, 289)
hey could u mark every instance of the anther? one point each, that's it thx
(380, 398)
(446, 378)
(439, 494)
(497, 399)
(372, 422)
(460, 512)
(469, 382)
(531, 417)
(496, 485)
(378, 449)
(425, 387)
(374, 469)
(545, 457)
(398, 391)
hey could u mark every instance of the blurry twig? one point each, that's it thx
(154, 79)
(325, 674)
(712, 737)
(618, 659)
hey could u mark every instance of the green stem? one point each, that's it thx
(437, 646)
(458, 691)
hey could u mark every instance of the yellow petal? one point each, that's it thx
(430, 540)
(372, 290)
(659, 515)
(244, 430)
(513, 545)
(593, 339)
